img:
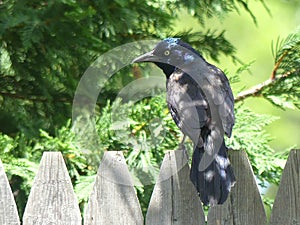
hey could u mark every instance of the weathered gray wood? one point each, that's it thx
(113, 199)
(174, 199)
(286, 208)
(244, 205)
(8, 209)
(52, 199)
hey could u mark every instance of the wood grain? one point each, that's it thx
(244, 205)
(113, 200)
(174, 199)
(52, 199)
(8, 209)
(286, 208)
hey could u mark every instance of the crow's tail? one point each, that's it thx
(215, 180)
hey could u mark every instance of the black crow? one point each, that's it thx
(201, 103)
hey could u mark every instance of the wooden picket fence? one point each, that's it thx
(113, 200)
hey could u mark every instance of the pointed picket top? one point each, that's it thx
(174, 199)
(113, 199)
(52, 199)
(286, 208)
(244, 204)
(8, 209)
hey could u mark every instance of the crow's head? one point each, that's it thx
(169, 54)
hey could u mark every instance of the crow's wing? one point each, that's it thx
(187, 104)
(222, 97)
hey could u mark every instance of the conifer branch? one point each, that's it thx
(277, 65)
(256, 90)
(34, 98)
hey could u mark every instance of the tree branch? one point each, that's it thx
(254, 91)
(257, 89)
(34, 98)
(277, 65)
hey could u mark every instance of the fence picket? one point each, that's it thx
(8, 209)
(286, 208)
(174, 199)
(52, 199)
(113, 199)
(244, 205)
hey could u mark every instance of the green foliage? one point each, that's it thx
(19, 166)
(207, 42)
(18, 160)
(285, 89)
(203, 9)
(46, 46)
(21, 157)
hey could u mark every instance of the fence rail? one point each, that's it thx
(113, 200)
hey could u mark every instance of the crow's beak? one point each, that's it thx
(147, 57)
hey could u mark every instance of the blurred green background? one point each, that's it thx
(254, 43)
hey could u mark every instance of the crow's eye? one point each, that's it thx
(167, 52)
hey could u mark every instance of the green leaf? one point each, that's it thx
(281, 101)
